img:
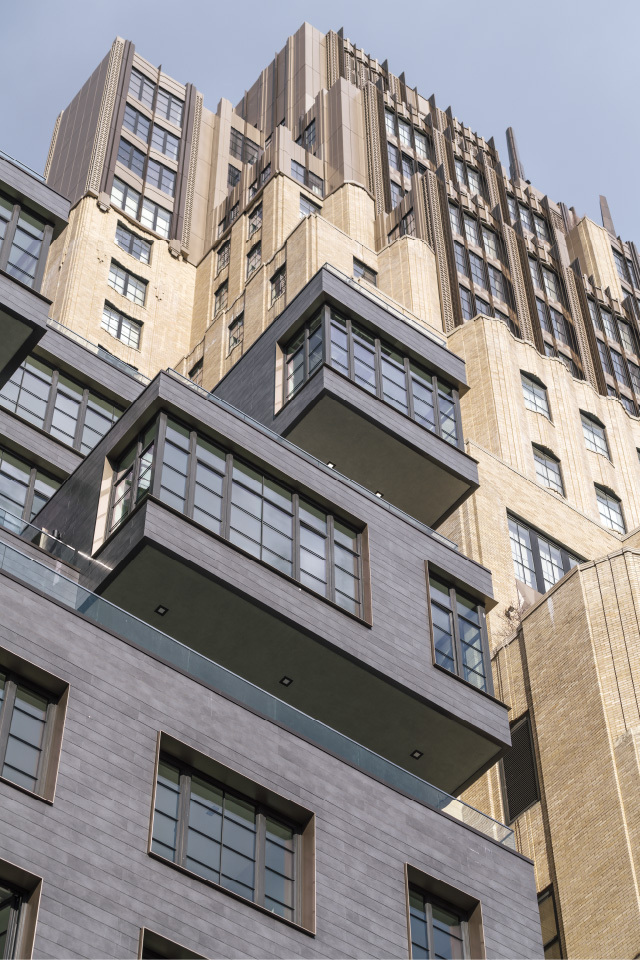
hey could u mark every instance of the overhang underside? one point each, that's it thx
(360, 449)
(249, 640)
(17, 339)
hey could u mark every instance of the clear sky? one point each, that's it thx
(564, 73)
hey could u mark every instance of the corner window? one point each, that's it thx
(548, 469)
(25, 240)
(233, 176)
(538, 561)
(236, 332)
(278, 284)
(132, 476)
(24, 490)
(520, 775)
(307, 178)
(302, 356)
(459, 634)
(120, 326)
(242, 148)
(195, 373)
(610, 508)
(595, 436)
(535, 395)
(362, 272)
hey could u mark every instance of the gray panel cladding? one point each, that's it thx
(90, 847)
(36, 194)
(99, 374)
(74, 144)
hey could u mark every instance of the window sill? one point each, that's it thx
(30, 793)
(231, 893)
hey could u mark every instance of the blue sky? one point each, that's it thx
(563, 73)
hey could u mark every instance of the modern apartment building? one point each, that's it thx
(319, 445)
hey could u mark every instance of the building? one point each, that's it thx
(319, 455)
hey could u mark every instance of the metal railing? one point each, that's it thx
(39, 538)
(22, 166)
(181, 657)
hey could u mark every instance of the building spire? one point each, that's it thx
(516, 170)
(605, 213)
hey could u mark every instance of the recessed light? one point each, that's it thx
(416, 754)
(330, 465)
(161, 610)
(378, 494)
(286, 681)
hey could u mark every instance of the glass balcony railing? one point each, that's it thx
(180, 657)
(31, 533)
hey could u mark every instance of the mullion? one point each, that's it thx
(295, 566)
(430, 937)
(457, 645)
(436, 406)
(82, 412)
(10, 691)
(156, 480)
(28, 504)
(330, 554)
(182, 827)
(9, 235)
(537, 561)
(192, 469)
(378, 370)
(51, 403)
(227, 482)
(259, 874)
(408, 379)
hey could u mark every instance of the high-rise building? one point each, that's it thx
(319, 443)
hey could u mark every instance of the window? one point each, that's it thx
(227, 838)
(628, 337)
(136, 122)
(437, 928)
(525, 217)
(548, 470)
(161, 177)
(142, 88)
(390, 122)
(594, 434)
(466, 303)
(477, 270)
(535, 395)
(236, 332)
(43, 396)
(278, 284)
(266, 173)
(520, 775)
(242, 148)
(132, 244)
(254, 259)
(549, 924)
(169, 107)
(461, 259)
(221, 297)
(131, 157)
(422, 145)
(534, 267)
(255, 219)
(132, 476)
(127, 284)
(308, 138)
(156, 947)
(394, 157)
(621, 266)
(306, 177)
(498, 284)
(551, 284)
(542, 230)
(155, 217)
(165, 142)
(408, 224)
(491, 244)
(459, 641)
(233, 176)
(261, 516)
(195, 373)
(397, 193)
(404, 131)
(454, 218)
(302, 356)
(120, 326)
(471, 230)
(26, 248)
(224, 252)
(610, 509)
(362, 272)
(26, 712)
(407, 166)
(307, 206)
(537, 561)
(125, 197)
(24, 490)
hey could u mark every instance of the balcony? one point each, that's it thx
(207, 672)
(358, 386)
(265, 560)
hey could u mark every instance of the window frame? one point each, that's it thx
(278, 284)
(362, 272)
(546, 454)
(588, 422)
(135, 324)
(535, 536)
(131, 283)
(254, 259)
(605, 495)
(8, 242)
(536, 382)
(430, 901)
(133, 239)
(236, 338)
(458, 673)
(34, 473)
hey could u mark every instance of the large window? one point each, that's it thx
(24, 240)
(459, 634)
(535, 395)
(227, 838)
(610, 508)
(520, 776)
(161, 177)
(169, 107)
(438, 930)
(155, 217)
(132, 244)
(25, 712)
(127, 284)
(251, 509)
(242, 148)
(136, 122)
(376, 367)
(24, 490)
(120, 326)
(125, 197)
(618, 351)
(44, 396)
(131, 157)
(165, 142)
(537, 560)
(595, 436)
(142, 88)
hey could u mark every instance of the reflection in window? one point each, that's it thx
(437, 929)
(594, 432)
(535, 395)
(548, 470)
(610, 509)
(537, 561)
(24, 490)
